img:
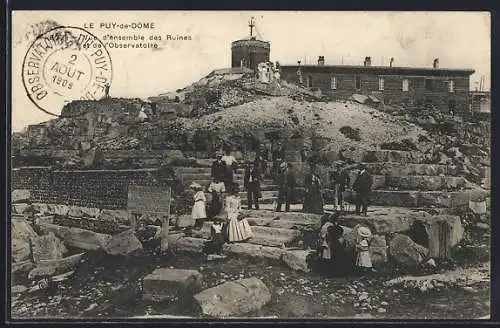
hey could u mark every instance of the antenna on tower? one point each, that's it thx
(251, 24)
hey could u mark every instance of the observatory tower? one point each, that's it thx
(250, 51)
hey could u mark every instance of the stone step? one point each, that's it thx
(397, 156)
(265, 236)
(383, 220)
(403, 198)
(401, 169)
(265, 194)
(418, 182)
(263, 200)
(268, 185)
(283, 224)
(294, 259)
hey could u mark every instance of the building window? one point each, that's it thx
(406, 85)
(451, 86)
(428, 85)
(309, 81)
(358, 82)
(333, 83)
(380, 84)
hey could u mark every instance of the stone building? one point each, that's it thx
(446, 89)
(250, 51)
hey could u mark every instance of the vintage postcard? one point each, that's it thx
(253, 164)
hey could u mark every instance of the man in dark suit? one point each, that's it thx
(363, 186)
(251, 182)
(286, 183)
(219, 168)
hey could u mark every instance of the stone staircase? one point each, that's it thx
(405, 190)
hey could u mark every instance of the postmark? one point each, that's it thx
(63, 65)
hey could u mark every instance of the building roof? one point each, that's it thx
(387, 70)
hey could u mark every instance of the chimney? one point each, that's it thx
(321, 61)
(368, 61)
(435, 64)
(392, 61)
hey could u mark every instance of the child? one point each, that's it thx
(238, 228)
(363, 260)
(214, 246)
(198, 213)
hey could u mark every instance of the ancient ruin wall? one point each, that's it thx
(105, 189)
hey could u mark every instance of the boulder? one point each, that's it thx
(296, 260)
(21, 250)
(47, 247)
(76, 237)
(24, 266)
(406, 252)
(21, 229)
(125, 243)
(234, 298)
(164, 283)
(20, 196)
(60, 265)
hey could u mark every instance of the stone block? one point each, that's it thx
(20, 208)
(257, 251)
(163, 283)
(296, 259)
(378, 250)
(76, 237)
(24, 266)
(47, 247)
(20, 196)
(187, 244)
(125, 243)
(444, 233)
(234, 298)
(21, 229)
(184, 221)
(60, 265)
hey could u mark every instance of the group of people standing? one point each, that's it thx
(224, 204)
(334, 253)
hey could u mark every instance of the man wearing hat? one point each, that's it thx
(340, 181)
(286, 184)
(219, 168)
(363, 186)
(252, 180)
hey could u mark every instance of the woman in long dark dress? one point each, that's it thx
(313, 200)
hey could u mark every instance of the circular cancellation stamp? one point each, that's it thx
(66, 64)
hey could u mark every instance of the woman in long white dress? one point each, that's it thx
(238, 229)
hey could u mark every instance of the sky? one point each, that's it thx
(458, 39)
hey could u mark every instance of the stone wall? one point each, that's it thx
(105, 189)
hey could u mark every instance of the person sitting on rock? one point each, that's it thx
(214, 246)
